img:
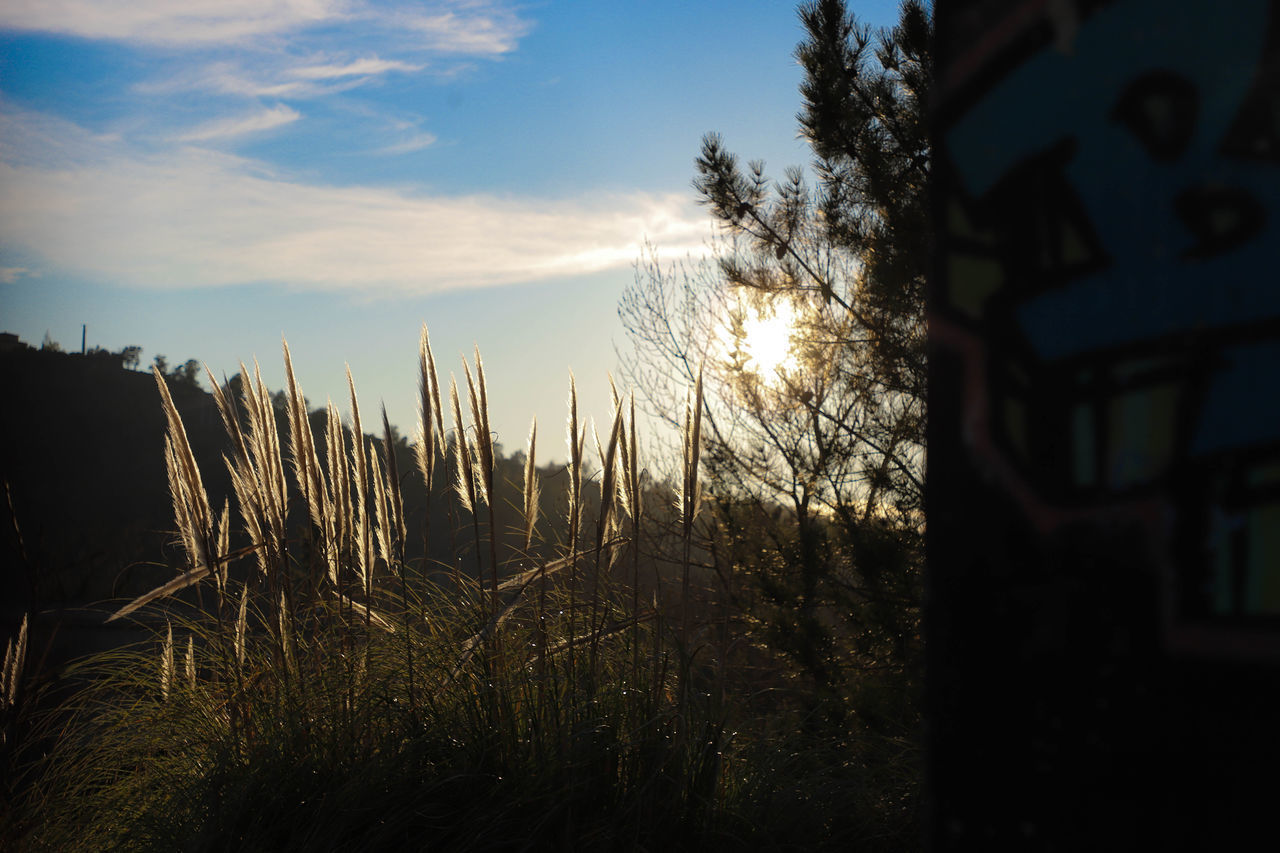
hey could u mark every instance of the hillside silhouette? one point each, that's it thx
(83, 457)
(83, 454)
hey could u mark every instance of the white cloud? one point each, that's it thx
(417, 142)
(247, 56)
(195, 218)
(272, 77)
(9, 275)
(225, 78)
(457, 26)
(358, 68)
(240, 125)
(485, 31)
(167, 21)
(294, 59)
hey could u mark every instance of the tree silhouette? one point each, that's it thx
(816, 465)
(188, 373)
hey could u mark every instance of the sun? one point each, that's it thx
(766, 340)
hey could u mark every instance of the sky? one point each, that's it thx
(202, 177)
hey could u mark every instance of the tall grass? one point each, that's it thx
(341, 691)
(337, 693)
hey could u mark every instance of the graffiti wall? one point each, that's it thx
(1105, 317)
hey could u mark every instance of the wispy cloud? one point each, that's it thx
(241, 125)
(467, 26)
(227, 77)
(417, 142)
(478, 29)
(240, 61)
(358, 68)
(193, 218)
(9, 275)
(167, 22)
(272, 76)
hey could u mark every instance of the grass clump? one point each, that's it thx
(338, 694)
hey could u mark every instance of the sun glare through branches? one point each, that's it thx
(760, 339)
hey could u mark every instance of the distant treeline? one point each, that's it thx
(129, 357)
(92, 517)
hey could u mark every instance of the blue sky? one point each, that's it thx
(199, 177)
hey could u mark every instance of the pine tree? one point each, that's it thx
(816, 467)
(864, 117)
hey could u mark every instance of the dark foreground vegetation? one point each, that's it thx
(577, 681)
(357, 642)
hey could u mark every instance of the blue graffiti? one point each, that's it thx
(1184, 227)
